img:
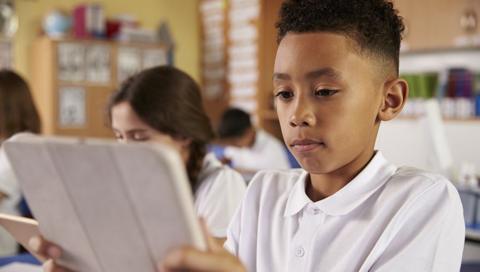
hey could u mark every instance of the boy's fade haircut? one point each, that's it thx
(374, 25)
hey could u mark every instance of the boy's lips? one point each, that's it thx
(306, 145)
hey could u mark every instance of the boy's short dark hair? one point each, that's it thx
(234, 123)
(373, 24)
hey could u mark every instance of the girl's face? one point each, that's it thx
(128, 127)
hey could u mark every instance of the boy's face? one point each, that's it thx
(327, 97)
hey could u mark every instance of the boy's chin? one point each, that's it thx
(317, 167)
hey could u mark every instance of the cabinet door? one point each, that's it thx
(434, 24)
(268, 48)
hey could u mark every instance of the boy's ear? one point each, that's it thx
(395, 95)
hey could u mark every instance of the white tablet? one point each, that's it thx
(110, 206)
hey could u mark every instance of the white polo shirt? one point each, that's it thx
(219, 195)
(267, 152)
(385, 219)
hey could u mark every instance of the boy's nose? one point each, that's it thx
(302, 116)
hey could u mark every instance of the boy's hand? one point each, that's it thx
(49, 251)
(186, 258)
(215, 259)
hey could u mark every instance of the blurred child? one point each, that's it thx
(17, 114)
(164, 105)
(249, 149)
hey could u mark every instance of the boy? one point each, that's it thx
(249, 149)
(335, 79)
(348, 209)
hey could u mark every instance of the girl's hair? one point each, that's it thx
(169, 101)
(17, 109)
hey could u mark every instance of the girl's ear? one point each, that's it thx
(395, 95)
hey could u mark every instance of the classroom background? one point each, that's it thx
(75, 53)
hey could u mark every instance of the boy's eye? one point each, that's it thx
(284, 95)
(325, 92)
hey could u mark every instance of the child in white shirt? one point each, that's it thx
(249, 149)
(335, 80)
(17, 114)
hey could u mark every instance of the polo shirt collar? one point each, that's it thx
(358, 190)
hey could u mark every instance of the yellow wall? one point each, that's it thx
(180, 14)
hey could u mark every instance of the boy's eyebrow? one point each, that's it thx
(281, 76)
(327, 72)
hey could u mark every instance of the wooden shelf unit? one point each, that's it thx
(48, 86)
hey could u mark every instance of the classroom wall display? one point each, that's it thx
(71, 62)
(245, 51)
(154, 57)
(132, 60)
(243, 66)
(97, 64)
(129, 62)
(213, 47)
(72, 107)
(213, 22)
(73, 79)
(6, 56)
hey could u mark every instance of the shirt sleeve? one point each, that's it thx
(243, 229)
(235, 227)
(231, 244)
(428, 235)
(218, 200)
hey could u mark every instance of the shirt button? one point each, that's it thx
(299, 252)
(316, 210)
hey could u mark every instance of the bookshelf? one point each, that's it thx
(450, 75)
(73, 79)
(213, 24)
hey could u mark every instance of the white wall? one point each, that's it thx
(404, 142)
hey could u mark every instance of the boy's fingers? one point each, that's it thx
(43, 248)
(50, 266)
(53, 252)
(35, 243)
(191, 259)
(212, 244)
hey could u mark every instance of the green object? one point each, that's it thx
(423, 85)
(432, 83)
(411, 84)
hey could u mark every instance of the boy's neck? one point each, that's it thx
(320, 186)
